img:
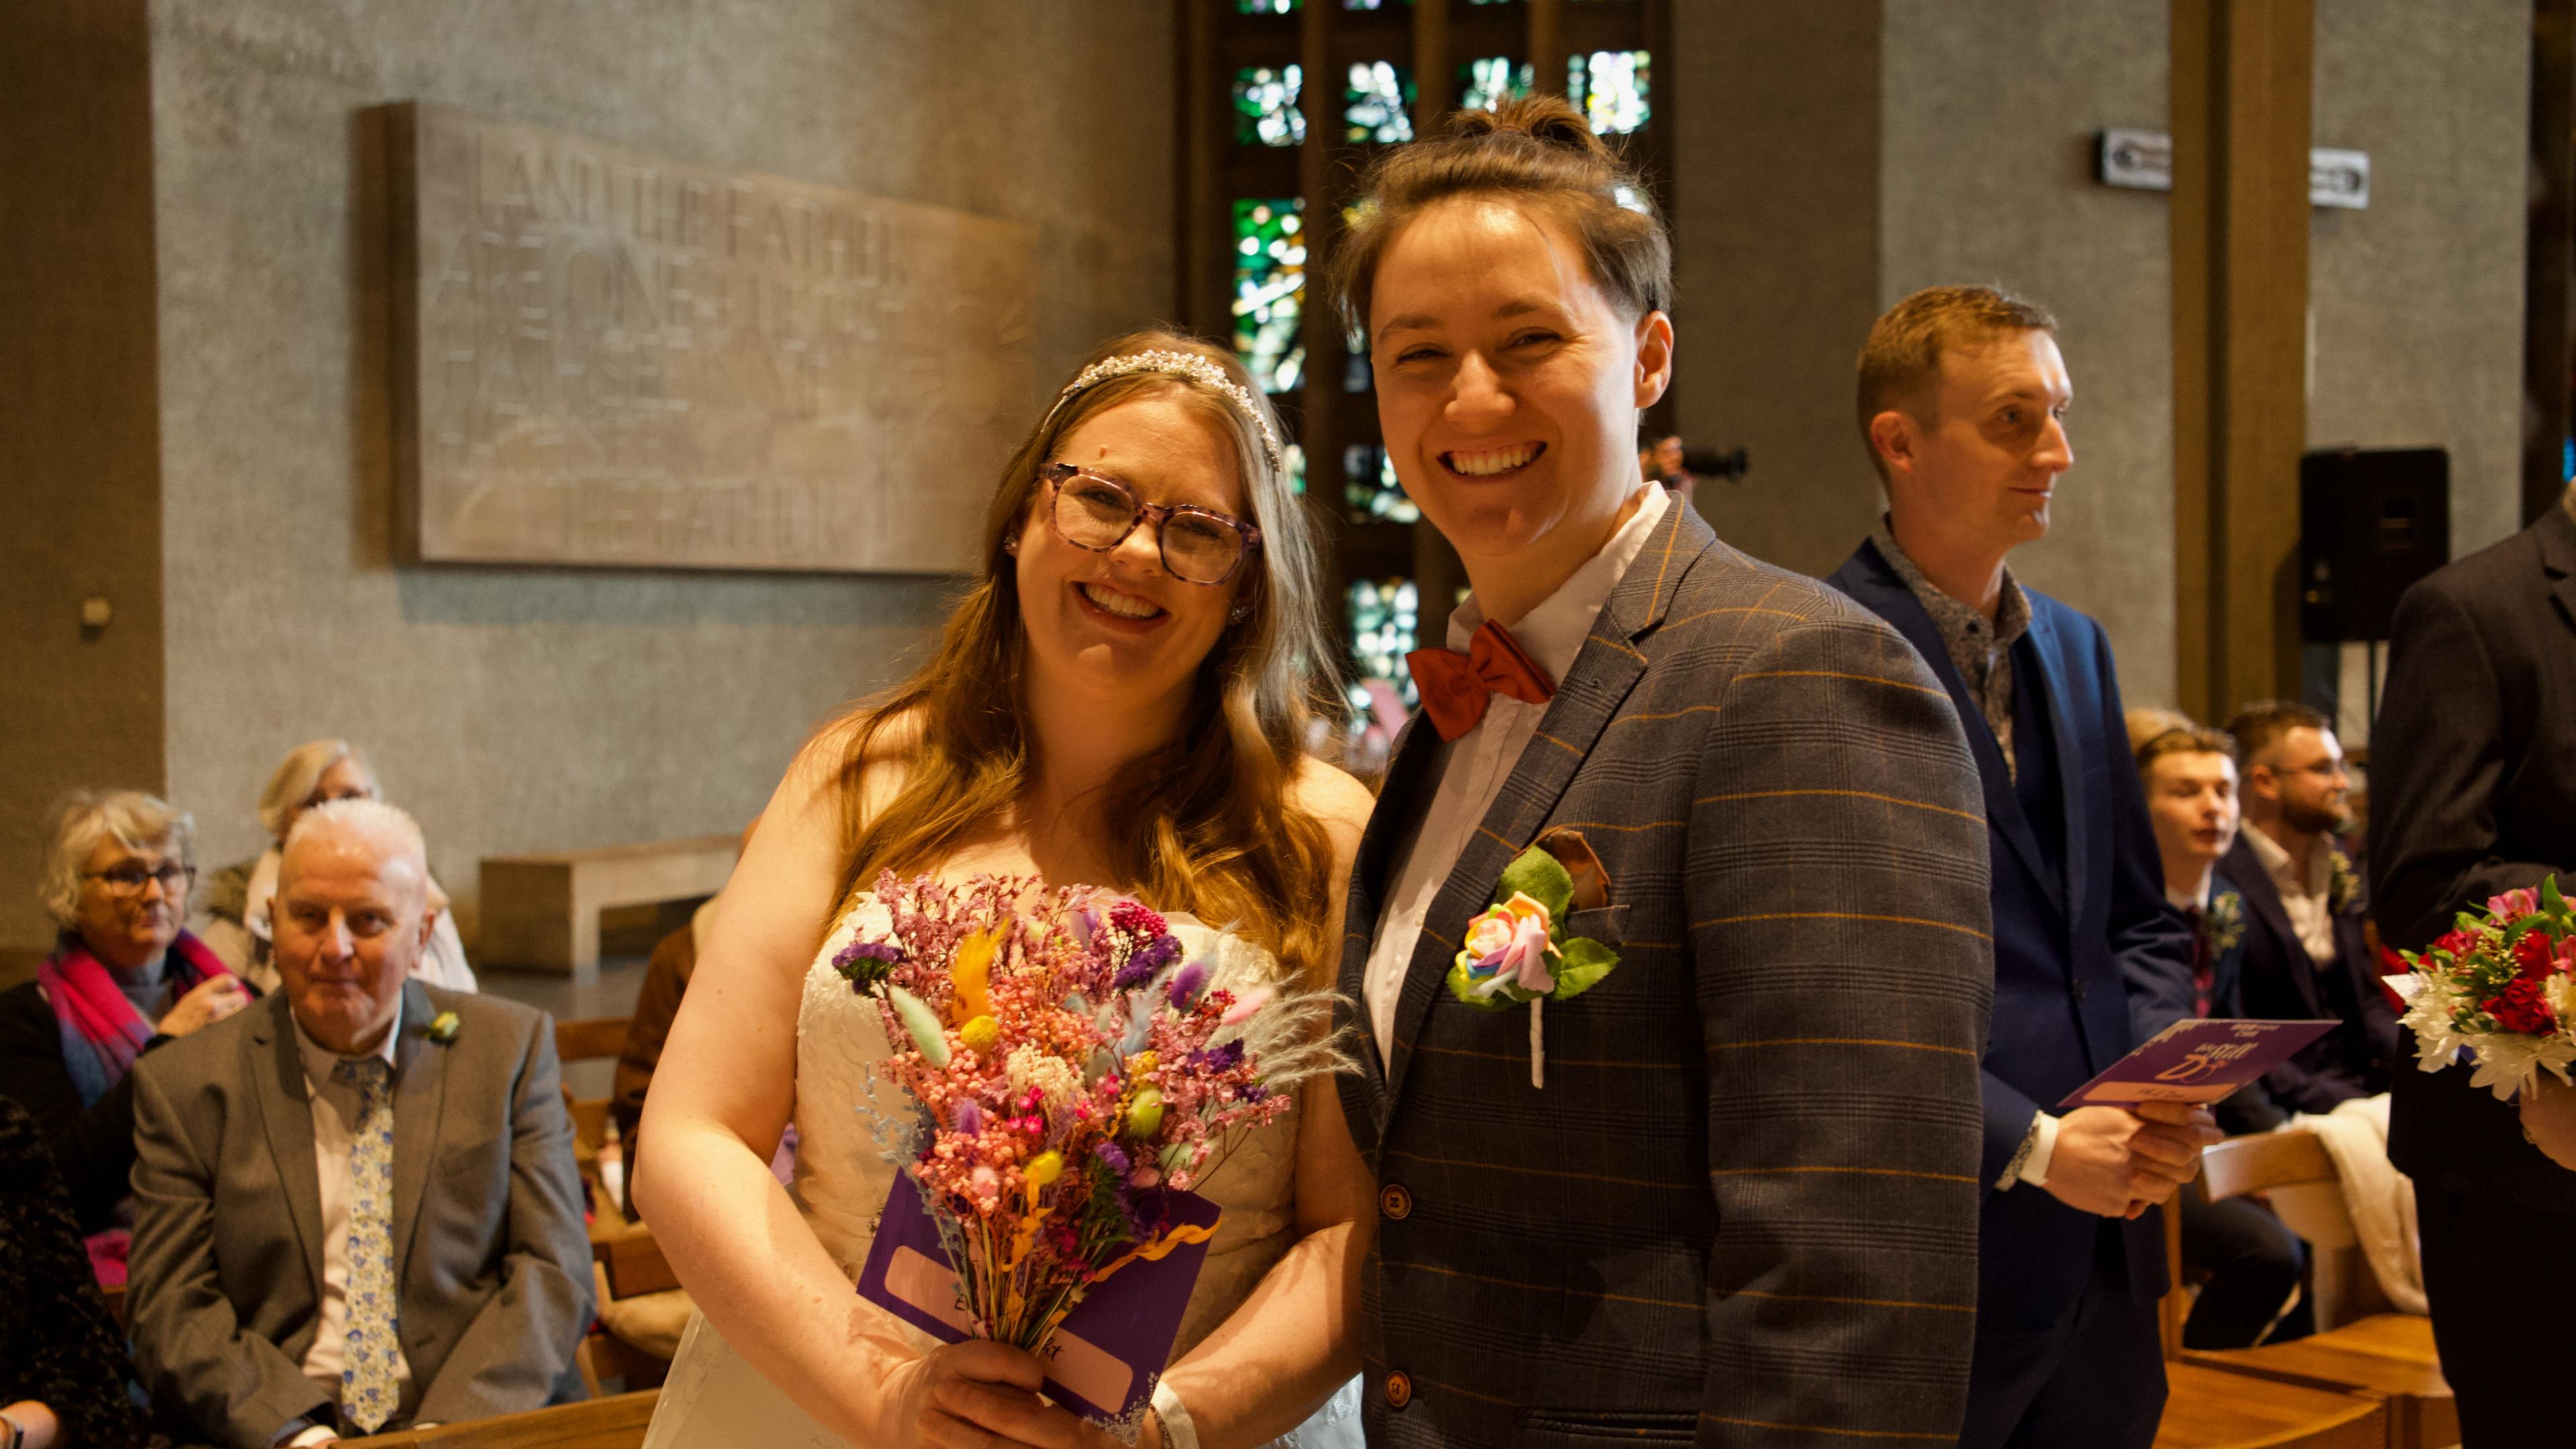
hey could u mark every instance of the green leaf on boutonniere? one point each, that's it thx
(1538, 874)
(1583, 961)
(444, 1026)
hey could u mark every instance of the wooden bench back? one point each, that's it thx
(617, 1423)
(2264, 1161)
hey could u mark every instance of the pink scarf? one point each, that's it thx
(102, 1032)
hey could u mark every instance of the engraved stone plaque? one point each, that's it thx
(605, 357)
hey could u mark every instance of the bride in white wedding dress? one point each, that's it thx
(1121, 701)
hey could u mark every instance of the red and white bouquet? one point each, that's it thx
(1076, 1068)
(2501, 985)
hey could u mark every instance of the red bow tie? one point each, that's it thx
(1455, 686)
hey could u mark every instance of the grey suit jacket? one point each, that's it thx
(490, 1255)
(1743, 1211)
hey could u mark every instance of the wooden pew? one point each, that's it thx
(2386, 1356)
(2210, 1408)
(617, 1423)
(542, 911)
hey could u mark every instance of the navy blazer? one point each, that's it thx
(2088, 955)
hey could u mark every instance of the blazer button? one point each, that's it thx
(2079, 990)
(1395, 1202)
(1399, 1390)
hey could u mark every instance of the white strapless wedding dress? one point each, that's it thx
(715, 1399)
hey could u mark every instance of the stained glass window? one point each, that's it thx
(1486, 83)
(1385, 616)
(1265, 106)
(1372, 4)
(1264, 7)
(1270, 290)
(1378, 103)
(1370, 487)
(1293, 459)
(1609, 87)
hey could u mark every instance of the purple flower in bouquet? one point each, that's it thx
(1148, 962)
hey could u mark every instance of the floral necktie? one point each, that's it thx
(368, 1392)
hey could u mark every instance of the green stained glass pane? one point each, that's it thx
(1265, 106)
(1264, 7)
(1487, 82)
(1270, 289)
(1370, 488)
(1377, 105)
(1293, 459)
(1385, 617)
(1609, 87)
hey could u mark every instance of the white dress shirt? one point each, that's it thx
(1471, 768)
(2308, 898)
(335, 1121)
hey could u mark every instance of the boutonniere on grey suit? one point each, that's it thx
(1517, 950)
(443, 1027)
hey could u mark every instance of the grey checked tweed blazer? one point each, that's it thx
(1744, 1209)
(490, 1256)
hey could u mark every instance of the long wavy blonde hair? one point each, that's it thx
(1208, 825)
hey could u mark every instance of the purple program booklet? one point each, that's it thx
(1108, 1352)
(2197, 1062)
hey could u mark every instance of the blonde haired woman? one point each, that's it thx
(234, 919)
(1121, 702)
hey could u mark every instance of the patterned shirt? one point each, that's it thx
(1982, 651)
(335, 1123)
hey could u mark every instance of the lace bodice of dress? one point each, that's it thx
(842, 1176)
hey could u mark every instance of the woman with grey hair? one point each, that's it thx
(124, 977)
(234, 917)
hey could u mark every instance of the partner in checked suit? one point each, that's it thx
(1727, 1193)
(355, 1204)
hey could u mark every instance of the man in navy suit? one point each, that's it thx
(1962, 401)
(2307, 947)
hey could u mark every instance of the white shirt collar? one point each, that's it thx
(2189, 900)
(1553, 633)
(319, 1059)
(2276, 862)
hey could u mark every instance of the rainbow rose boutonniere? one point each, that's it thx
(444, 1027)
(1517, 950)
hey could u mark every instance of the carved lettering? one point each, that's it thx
(621, 359)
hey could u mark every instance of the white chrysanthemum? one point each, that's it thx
(1052, 1076)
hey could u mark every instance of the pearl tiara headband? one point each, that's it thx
(1179, 364)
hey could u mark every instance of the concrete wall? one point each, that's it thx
(1776, 264)
(2417, 301)
(530, 708)
(1991, 116)
(80, 502)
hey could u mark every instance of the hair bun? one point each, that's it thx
(1548, 120)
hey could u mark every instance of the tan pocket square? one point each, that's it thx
(1591, 882)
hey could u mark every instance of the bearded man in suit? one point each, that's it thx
(356, 1206)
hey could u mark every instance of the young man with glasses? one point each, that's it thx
(2306, 953)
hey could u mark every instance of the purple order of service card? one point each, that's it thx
(1106, 1354)
(2197, 1062)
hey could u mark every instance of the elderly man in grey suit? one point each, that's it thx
(355, 1204)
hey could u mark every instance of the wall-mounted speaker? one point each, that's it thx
(2371, 522)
